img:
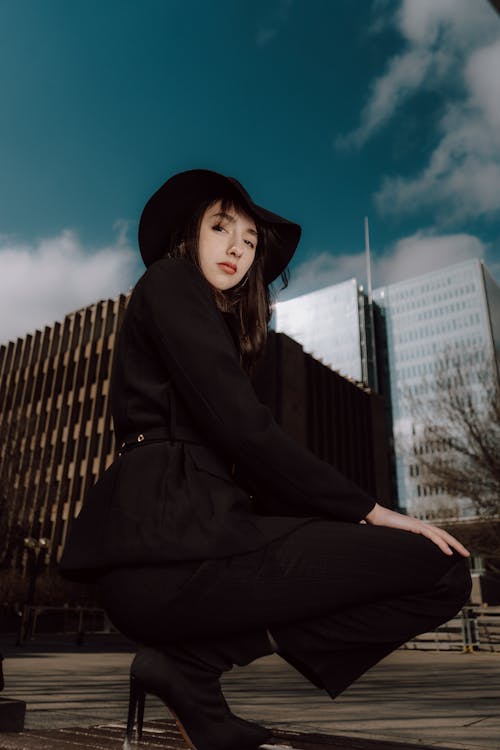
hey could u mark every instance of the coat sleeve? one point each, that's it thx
(192, 339)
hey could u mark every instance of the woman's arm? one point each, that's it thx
(187, 329)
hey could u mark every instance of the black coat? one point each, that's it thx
(211, 454)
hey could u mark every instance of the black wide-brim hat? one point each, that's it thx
(175, 200)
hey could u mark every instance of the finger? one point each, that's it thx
(448, 538)
(453, 542)
(460, 548)
(438, 541)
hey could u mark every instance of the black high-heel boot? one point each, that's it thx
(194, 697)
(137, 700)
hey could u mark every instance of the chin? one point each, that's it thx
(224, 284)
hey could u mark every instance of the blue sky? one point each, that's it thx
(326, 110)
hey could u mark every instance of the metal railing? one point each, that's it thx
(473, 629)
(62, 620)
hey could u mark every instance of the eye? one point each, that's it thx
(250, 244)
(218, 228)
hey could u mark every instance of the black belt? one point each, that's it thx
(158, 435)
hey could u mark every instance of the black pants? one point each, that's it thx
(337, 597)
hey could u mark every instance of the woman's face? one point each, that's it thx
(226, 246)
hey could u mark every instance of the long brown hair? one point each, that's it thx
(250, 301)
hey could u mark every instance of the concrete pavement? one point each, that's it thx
(441, 699)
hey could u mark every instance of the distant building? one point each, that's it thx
(415, 322)
(332, 324)
(421, 320)
(57, 428)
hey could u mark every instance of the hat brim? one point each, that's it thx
(173, 202)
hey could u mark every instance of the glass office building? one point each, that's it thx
(416, 322)
(447, 313)
(333, 325)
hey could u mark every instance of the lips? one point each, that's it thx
(227, 267)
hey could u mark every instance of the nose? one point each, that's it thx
(235, 249)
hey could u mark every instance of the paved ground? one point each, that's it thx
(164, 735)
(441, 699)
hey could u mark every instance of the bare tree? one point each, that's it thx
(456, 430)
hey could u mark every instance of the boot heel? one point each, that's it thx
(140, 711)
(137, 699)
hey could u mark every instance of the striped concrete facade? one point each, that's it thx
(55, 423)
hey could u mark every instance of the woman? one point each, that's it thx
(215, 538)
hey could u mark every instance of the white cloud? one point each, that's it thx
(424, 252)
(44, 281)
(322, 270)
(462, 177)
(451, 47)
(409, 257)
(404, 74)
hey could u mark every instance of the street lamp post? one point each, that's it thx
(38, 549)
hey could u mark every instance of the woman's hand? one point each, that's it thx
(380, 516)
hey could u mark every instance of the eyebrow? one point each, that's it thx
(229, 217)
